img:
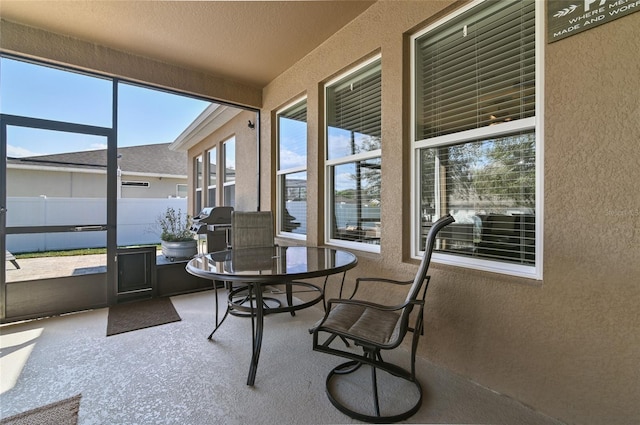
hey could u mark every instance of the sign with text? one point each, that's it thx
(567, 17)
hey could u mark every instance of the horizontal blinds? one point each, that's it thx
(489, 186)
(478, 71)
(297, 112)
(355, 105)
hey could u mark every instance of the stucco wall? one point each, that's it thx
(568, 345)
(246, 159)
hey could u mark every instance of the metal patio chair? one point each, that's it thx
(249, 229)
(252, 229)
(376, 327)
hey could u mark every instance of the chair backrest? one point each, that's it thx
(252, 229)
(402, 324)
(426, 259)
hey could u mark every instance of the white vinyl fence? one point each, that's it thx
(136, 221)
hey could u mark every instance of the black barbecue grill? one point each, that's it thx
(213, 222)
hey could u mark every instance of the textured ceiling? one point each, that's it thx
(247, 41)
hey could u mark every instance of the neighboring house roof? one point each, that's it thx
(145, 159)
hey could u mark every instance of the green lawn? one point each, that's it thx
(66, 253)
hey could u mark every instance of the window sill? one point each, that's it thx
(517, 270)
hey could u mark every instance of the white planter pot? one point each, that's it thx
(179, 250)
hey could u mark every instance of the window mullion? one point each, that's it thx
(354, 158)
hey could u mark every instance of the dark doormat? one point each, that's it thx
(64, 412)
(140, 314)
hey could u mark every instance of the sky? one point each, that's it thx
(145, 116)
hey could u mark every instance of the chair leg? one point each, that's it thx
(374, 384)
(372, 358)
(346, 368)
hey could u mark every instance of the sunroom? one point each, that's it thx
(363, 122)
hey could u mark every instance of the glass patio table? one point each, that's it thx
(258, 268)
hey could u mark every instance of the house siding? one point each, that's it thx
(56, 183)
(28, 182)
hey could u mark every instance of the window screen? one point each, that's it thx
(475, 136)
(489, 185)
(292, 169)
(354, 128)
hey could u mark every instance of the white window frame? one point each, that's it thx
(531, 272)
(282, 173)
(329, 163)
(182, 188)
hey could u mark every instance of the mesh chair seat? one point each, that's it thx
(364, 324)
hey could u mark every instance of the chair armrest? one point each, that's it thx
(370, 304)
(378, 279)
(366, 304)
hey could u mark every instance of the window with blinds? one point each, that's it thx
(474, 134)
(292, 166)
(353, 111)
(478, 71)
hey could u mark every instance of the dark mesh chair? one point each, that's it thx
(250, 229)
(376, 327)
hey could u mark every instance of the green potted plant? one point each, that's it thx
(177, 239)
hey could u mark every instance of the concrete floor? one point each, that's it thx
(171, 374)
(50, 267)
